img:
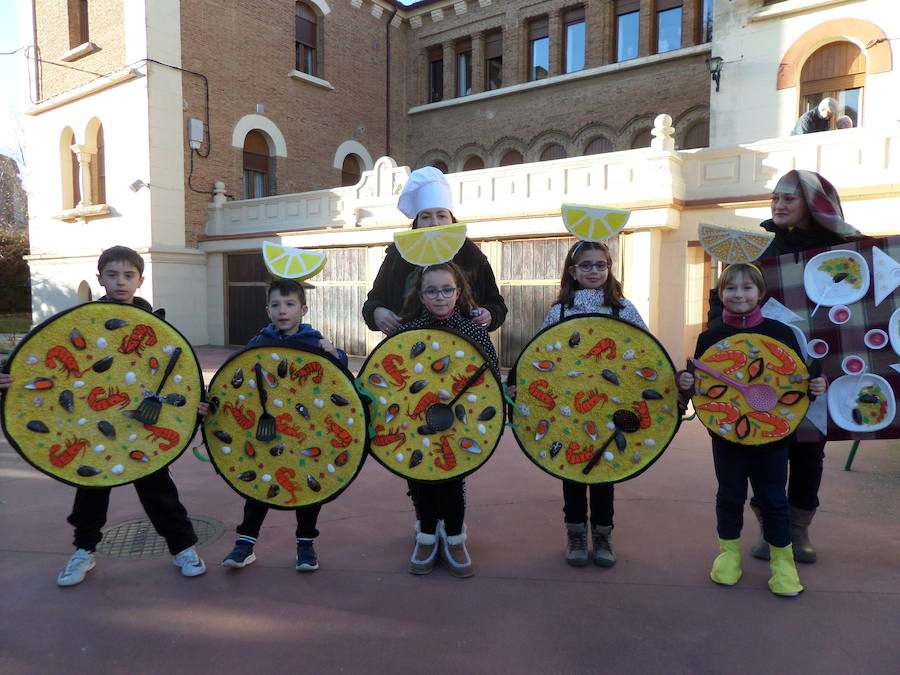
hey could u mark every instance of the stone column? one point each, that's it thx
(449, 70)
(85, 154)
(478, 83)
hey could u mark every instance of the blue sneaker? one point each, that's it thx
(306, 556)
(241, 555)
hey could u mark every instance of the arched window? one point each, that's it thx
(70, 170)
(473, 163)
(440, 166)
(553, 151)
(598, 145)
(837, 70)
(98, 170)
(305, 39)
(641, 139)
(257, 178)
(512, 157)
(697, 135)
(350, 171)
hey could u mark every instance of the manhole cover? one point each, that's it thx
(136, 539)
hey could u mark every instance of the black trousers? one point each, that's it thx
(158, 496)
(439, 501)
(575, 503)
(804, 475)
(255, 513)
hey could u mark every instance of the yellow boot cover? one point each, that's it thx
(726, 569)
(784, 580)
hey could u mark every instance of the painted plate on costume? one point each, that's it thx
(894, 331)
(861, 402)
(79, 378)
(286, 425)
(596, 400)
(821, 271)
(428, 425)
(767, 397)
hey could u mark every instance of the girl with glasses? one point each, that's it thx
(441, 298)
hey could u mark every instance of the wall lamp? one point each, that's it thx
(714, 65)
(138, 184)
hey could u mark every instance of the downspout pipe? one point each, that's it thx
(387, 78)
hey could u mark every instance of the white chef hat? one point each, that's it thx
(427, 188)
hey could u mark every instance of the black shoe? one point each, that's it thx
(241, 555)
(306, 556)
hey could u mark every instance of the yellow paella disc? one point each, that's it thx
(428, 425)
(751, 389)
(286, 425)
(596, 400)
(82, 409)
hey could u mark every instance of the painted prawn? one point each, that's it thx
(585, 401)
(113, 397)
(731, 412)
(169, 437)
(779, 426)
(641, 410)
(459, 381)
(384, 438)
(604, 345)
(427, 400)
(284, 475)
(140, 338)
(447, 461)
(787, 365)
(67, 362)
(573, 456)
(73, 447)
(313, 368)
(244, 418)
(342, 437)
(391, 364)
(283, 426)
(537, 390)
(739, 358)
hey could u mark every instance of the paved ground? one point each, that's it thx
(525, 610)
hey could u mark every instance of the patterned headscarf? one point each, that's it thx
(822, 201)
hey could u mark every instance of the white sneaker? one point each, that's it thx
(191, 564)
(81, 562)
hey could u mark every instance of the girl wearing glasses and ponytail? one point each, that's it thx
(440, 297)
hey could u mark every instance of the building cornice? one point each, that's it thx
(85, 90)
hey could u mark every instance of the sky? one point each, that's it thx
(11, 82)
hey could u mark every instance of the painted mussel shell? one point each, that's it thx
(214, 404)
(441, 364)
(417, 386)
(103, 364)
(277, 450)
(342, 458)
(283, 368)
(40, 383)
(554, 449)
(575, 339)
(487, 414)
(176, 400)
(590, 428)
(311, 452)
(392, 411)
(153, 365)
(77, 340)
(857, 415)
(755, 369)
(268, 377)
(610, 376)
(542, 428)
(107, 429)
(223, 436)
(460, 411)
(87, 471)
(544, 366)
(377, 380)
(37, 426)
(304, 412)
(415, 458)
(138, 456)
(864, 398)
(647, 373)
(620, 440)
(67, 400)
(651, 395)
(339, 400)
(792, 396)
(112, 324)
(249, 450)
(469, 445)
(417, 349)
(313, 483)
(425, 430)
(247, 476)
(237, 379)
(272, 491)
(716, 390)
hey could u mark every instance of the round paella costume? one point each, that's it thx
(103, 394)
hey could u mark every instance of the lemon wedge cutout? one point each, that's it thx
(593, 223)
(292, 263)
(733, 244)
(431, 245)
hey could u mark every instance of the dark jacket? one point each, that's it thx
(470, 330)
(140, 303)
(810, 122)
(395, 279)
(307, 336)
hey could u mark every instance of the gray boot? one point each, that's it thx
(603, 553)
(576, 544)
(800, 520)
(761, 548)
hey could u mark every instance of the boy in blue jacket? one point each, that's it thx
(286, 307)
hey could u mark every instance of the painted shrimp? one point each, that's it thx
(537, 390)
(739, 358)
(169, 437)
(779, 426)
(342, 437)
(73, 447)
(313, 368)
(391, 364)
(67, 362)
(604, 345)
(787, 365)
(113, 397)
(427, 400)
(284, 475)
(384, 438)
(140, 338)
(585, 401)
(459, 381)
(731, 412)
(283, 426)
(244, 418)
(643, 413)
(573, 456)
(447, 460)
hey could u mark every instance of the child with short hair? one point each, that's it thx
(286, 306)
(742, 289)
(120, 272)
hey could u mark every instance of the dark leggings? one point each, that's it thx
(804, 475)
(255, 513)
(439, 501)
(575, 503)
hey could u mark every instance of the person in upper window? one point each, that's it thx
(427, 199)
(817, 119)
(843, 122)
